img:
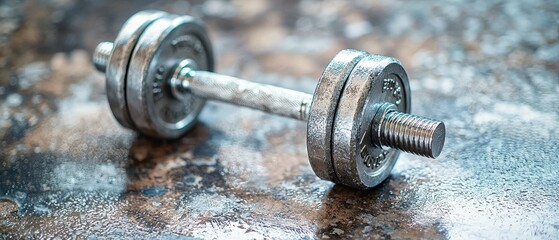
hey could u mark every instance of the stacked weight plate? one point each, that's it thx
(144, 55)
(346, 99)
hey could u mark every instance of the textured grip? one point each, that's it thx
(267, 98)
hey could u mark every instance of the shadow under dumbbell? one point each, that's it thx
(376, 213)
(161, 174)
(184, 164)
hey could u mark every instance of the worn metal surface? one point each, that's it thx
(352, 143)
(489, 69)
(161, 47)
(117, 66)
(242, 93)
(324, 105)
(165, 92)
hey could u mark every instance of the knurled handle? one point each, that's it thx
(267, 98)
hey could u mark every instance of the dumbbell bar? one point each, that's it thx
(357, 111)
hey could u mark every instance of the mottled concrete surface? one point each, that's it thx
(489, 69)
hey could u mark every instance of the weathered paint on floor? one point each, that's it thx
(489, 69)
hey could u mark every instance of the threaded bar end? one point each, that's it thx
(102, 55)
(413, 134)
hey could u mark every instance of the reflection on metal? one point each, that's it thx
(67, 168)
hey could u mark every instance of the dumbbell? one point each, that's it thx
(159, 73)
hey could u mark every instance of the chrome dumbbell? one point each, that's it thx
(159, 75)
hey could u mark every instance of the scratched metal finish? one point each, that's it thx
(489, 69)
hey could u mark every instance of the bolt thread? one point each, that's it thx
(413, 134)
(101, 55)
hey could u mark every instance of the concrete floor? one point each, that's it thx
(488, 69)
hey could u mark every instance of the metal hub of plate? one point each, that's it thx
(323, 110)
(153, 108)
(117, 67)
(358, 162)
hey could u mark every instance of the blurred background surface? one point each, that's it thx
(488, 69)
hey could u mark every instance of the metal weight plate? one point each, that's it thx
(162, 46)
(118, 63)
(375, 80)
(323, 110)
